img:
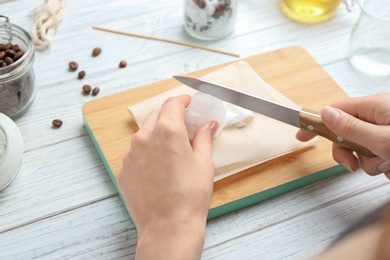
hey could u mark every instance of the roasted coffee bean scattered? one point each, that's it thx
(87, 89)
(57, 123)
(95, 91)
(122, 64)
(81, 74)
(73, 65)
(96, 52)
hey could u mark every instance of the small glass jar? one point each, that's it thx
(17, 78)
(11, 151)
(210, 19)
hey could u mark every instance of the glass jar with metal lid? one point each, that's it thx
(11, 151)
(17, 78)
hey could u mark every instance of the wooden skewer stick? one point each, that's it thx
(165, 40)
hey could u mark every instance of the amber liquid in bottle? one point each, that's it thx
(309, 11)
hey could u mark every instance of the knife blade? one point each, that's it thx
(303, 118)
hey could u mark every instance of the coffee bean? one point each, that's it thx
(8, 46)
(18, 55)
(95, 91)
(122, 64)
(87, 89)
(81, 74)
(200, 3)
(73, 65)
(15, 48)
(10, 53)
(2, 47)
(2, 55)
(96, 52)
(219, 10)
(3, 64)
(8, 60)
(57, 123)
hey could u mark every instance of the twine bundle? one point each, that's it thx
(47, 18)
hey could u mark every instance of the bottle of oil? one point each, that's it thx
(309, 11)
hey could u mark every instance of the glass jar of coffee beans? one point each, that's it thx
(17, 78)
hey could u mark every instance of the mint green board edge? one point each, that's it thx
(244, 202)
(110, 173)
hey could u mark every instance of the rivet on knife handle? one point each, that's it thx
(310, 121)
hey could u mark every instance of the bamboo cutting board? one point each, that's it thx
(292, 71)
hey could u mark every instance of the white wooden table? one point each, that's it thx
(62, 204)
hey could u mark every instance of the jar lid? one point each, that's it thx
(11, 151)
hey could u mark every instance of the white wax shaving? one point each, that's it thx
(203, 108)
(237, 116)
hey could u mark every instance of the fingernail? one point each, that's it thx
(214, 127)
(330, 115)
(384, 167)
(346, 166)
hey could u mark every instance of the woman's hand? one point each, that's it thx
(365, 121)
(167, 183)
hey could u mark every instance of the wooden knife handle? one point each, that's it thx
(310, 121)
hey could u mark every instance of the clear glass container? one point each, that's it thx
(11, 151)
(369, 45)
(17, 79)
(210, 19)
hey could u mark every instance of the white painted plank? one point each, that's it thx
(53, 180)
(99, 230)
(296, 203)
(275, 238)
(302, 236)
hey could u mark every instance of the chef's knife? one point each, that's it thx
(303, 118)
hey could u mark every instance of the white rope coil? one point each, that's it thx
(47, 18)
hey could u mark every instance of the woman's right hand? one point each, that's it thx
(365, 121)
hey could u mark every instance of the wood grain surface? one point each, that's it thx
(291, 70)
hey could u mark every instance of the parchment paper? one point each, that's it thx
(236, 149)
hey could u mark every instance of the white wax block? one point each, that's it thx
(201, 109)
